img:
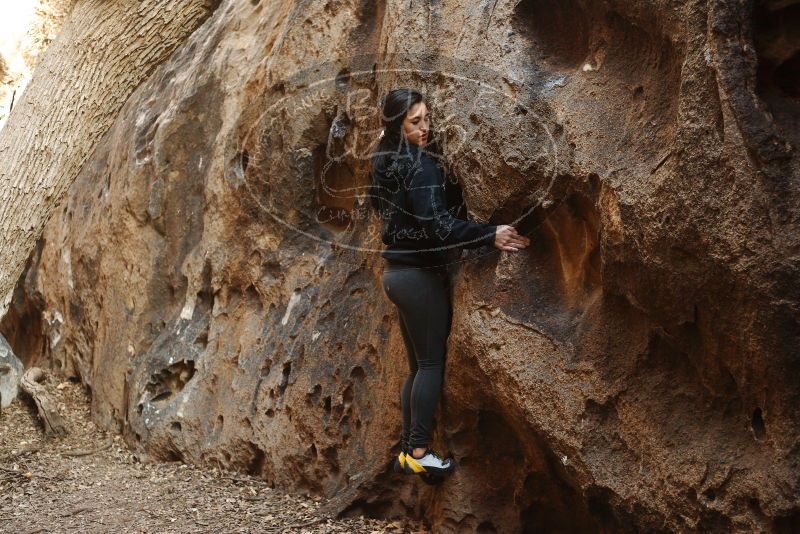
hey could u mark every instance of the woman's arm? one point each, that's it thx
(426, 196)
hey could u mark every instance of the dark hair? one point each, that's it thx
(394, 107)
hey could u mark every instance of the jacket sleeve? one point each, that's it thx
(427, 202)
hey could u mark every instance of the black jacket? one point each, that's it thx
(410, 194)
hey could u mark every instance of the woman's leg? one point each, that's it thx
(422, 299)
(425, 394)
(405, 391)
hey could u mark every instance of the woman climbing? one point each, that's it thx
(408, 191)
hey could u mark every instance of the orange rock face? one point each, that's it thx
(214, 278)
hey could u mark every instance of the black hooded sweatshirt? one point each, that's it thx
(409, 193)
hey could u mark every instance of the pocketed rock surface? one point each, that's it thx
(210, 277)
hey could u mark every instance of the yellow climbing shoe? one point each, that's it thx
(431, 463)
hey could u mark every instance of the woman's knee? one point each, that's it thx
(434, 361)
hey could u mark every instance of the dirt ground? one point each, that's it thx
(87, 481)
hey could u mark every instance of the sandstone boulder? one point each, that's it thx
(213, 278)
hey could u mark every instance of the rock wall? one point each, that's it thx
(214, 281)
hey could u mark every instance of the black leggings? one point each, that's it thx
(422, 297)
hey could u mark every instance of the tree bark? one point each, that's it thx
(48, 409)
(103, 52)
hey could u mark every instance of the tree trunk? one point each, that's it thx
(101, 55)
(54, 424)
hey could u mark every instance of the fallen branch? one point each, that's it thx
(53, 422)
(84, 452)
(20, 453)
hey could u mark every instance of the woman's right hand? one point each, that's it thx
(507, 238)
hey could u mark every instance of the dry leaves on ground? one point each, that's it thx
(88, 481)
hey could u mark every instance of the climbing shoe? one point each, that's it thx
(430, 464)
(400, 460)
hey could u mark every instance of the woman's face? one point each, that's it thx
(417, 123)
